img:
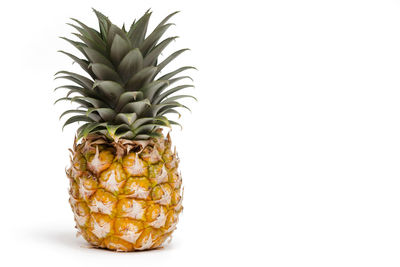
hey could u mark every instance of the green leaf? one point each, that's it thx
(77, 118)
(90, 43)
(95, 102)
(171, 91)
(69, 87)
(127, 118)
(119, 49)
(96, 57)
(136, 107)
(130, 64)
(77, 45)
(152, 88)
(76, 89)
(112, 129)
(104, 72)
(152, 56)
(176, 123)
(173, 73)
(168, 111)
(137, 32)
(141, 78)
(126, 135)
(72, 111)
(170, 82)
(80, 101)
(174, 80)
(90, 127)
(165, 20)
(113, 31)
(110, 89)
(92, 33)
(77, 78)
(127, 97)
(80, 129)
(104, 23)
(173, 98)
(142, 121)
(169, 59)
(157, 109)
(153, 38)
(106, 114)
(83, 63)
(89, 36)
(82, 91)
(147, 128)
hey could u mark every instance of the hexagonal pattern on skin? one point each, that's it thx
(128, 201)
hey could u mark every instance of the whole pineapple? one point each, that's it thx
(125, 187)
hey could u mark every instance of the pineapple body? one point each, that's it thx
(125, 196)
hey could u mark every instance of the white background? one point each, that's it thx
(290, 158)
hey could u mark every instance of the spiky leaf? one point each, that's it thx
(119, 48)
(104, 72)
(130, 64)
(141, 79)
(122, 97)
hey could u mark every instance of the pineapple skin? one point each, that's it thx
(125, 196)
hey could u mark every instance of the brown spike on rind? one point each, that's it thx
(121, 146)
(169, 137)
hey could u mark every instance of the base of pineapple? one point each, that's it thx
(151, 239)
(125, 195)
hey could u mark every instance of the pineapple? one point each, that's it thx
(125, 186)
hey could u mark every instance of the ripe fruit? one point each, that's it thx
(125, 187)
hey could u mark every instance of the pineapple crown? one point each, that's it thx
(124, 95)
